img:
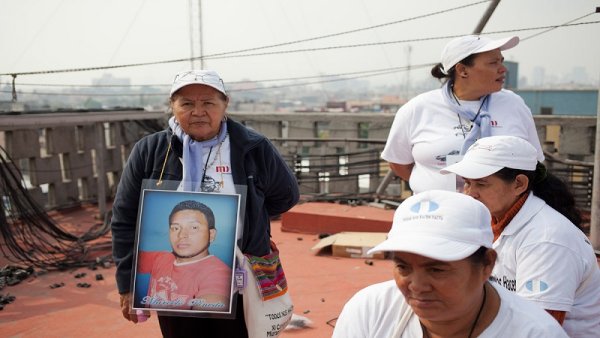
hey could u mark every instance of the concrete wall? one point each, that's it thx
(66, 158)
(323, 141)
(73, 157)
(573, 136)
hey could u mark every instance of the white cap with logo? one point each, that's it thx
(442, 225)
(490, 154)
(458, 49)
(203, 77)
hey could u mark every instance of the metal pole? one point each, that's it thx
(407, 90)
(486, 16)
(14, 89)
(100, 169)
(200, 24)
(191, 11)
(595, 213)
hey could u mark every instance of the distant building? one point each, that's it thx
(391, 103)
(539, 76)
(579, 75)
(574, 102)
(251, 106)
(512, 75)
(109, 79)
(386, 104)
(9, 106)
(336, 106)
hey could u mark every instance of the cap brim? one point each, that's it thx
(503, 44)
(472, 170)
(425, 245)
(184, 84)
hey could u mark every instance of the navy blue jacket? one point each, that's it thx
(255, 162)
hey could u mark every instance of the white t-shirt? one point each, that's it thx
(218, 177)
(426, 130)
(374, 311)
(547, 260)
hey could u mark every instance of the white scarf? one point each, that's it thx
(481, 118)
(193, 171)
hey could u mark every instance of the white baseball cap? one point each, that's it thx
(459, 48)
(490, 154)
(203, 77)
(442, 225)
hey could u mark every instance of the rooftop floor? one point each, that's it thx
(319, 286)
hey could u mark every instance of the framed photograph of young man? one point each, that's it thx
(185, 253)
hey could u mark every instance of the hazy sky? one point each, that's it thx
(45, 35)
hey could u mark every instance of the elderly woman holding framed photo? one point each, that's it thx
(205, 151)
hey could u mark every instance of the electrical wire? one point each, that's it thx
(378, 73)
(124, 36)
(346, 32)
(29, 234)
(370, 44)
(235, 82)
(68, 70)
(399, 69)
(383, 49)
(555, 27)
(222, 55)
(41, 29)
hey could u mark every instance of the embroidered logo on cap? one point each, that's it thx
(477, 145)
(424, 207)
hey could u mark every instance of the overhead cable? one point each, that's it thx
(378, 73)
(401, 68)
(346, 32)
(310, 49)
(395, 41)
(70, 70)
(555, 27)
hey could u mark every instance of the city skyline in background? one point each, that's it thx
(383, 47)
(108, 91)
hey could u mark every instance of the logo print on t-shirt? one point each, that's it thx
(536, 285)
(222, 169)
(442, 158)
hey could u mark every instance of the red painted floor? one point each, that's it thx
(319, 286)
